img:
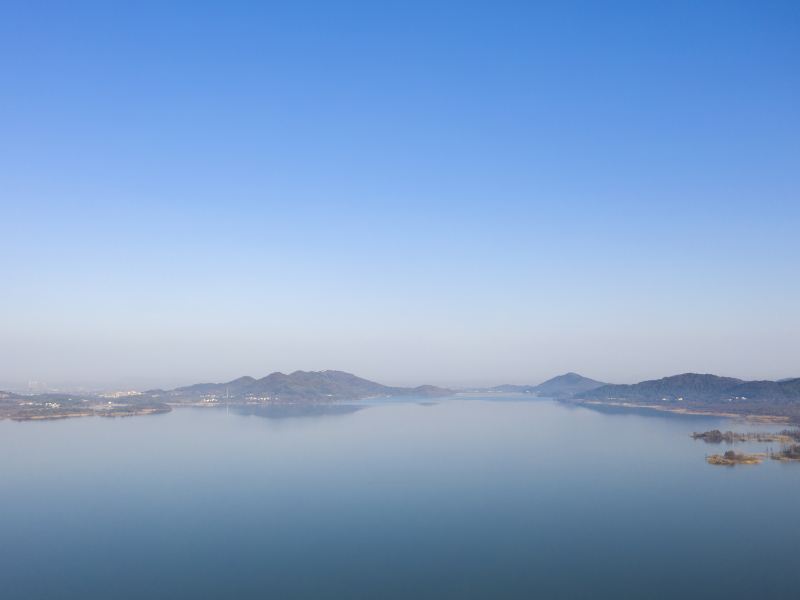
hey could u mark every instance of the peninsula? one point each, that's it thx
(695, 393)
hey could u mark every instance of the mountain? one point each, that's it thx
(689, 386)
(300, 386)
(562, 386)
(567, 385)
(707, 393)
(791, 387)
(700, 388)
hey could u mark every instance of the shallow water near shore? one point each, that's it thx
(483, 497)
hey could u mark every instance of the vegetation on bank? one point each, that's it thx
(715, 436)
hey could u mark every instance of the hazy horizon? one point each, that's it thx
(459, 195)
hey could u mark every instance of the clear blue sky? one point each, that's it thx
(464, 192)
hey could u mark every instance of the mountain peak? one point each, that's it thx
(568, 384)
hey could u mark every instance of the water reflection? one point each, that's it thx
(453, 498)
(292, 411)
(642, 411)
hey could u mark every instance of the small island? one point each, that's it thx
(787, 453)
(731, 458)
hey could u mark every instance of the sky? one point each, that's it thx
(458, 193)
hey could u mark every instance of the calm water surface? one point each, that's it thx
(464, 498)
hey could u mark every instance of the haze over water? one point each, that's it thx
(468, 497)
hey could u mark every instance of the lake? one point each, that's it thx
(468, 497)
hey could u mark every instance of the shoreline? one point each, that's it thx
(691, 411)
(89, 413)
(169, 406)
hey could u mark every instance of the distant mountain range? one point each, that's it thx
(300, 386)
(689, 391)
(562, 386)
